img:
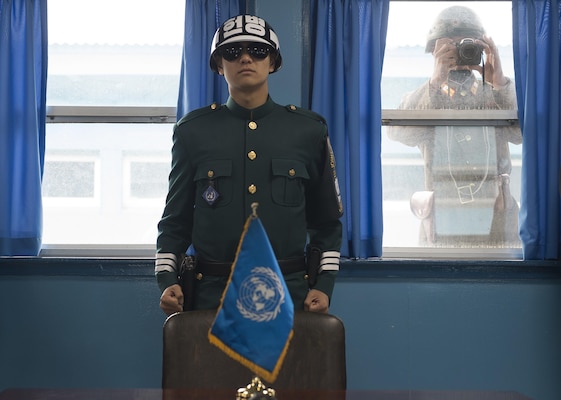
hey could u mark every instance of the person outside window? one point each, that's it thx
(250, 149)
(466, 199)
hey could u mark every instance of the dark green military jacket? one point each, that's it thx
(226, 157)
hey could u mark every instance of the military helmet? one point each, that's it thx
(454, 21)
(245, 28)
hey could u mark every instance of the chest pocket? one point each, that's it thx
(214, 183)
(289, 177)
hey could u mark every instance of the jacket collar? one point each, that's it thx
(254, 114)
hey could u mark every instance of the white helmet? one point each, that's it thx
(454, 21)
(245, 28)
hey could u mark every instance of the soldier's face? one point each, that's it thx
(246, 72)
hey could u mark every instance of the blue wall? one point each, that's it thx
(409, 325)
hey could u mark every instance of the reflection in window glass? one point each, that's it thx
(450, 186)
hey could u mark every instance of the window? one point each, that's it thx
(444, 164)
(112, 90)
(111, 107)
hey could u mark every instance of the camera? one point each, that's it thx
(469, 53)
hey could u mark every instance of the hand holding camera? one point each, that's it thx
(459, 53)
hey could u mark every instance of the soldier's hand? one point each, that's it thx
(493, 68)
(445, 59)
(171, 300)
(316, 301)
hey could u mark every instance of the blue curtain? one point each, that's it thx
(23, 75)
(537, 53)
(348, 42)
(199, 86)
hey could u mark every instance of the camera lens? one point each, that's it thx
(469, 53)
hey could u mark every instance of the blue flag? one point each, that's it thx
(254, 322)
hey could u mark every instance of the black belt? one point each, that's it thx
(217, 268)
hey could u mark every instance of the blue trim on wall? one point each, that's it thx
(369, 269)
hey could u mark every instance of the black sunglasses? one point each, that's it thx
(258, 51)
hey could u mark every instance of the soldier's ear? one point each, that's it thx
(219, 64)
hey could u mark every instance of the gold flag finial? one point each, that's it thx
(256, 390)
(254, 210)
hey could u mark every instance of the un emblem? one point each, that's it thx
(260, 296)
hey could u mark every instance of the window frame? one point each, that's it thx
(111, 114)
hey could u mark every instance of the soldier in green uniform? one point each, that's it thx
(250, 149)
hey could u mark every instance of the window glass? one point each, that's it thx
(447, 183)
(407, 65)
(105, 183)
(121, 52)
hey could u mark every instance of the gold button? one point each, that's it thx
(251, 155)
(291, 172)
(252, 125)
(199, 276)
(210, 173)
(292, 107)
(213, 106)
(252, 189)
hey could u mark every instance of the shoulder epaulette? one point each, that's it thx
(199, 113)
(305, 112)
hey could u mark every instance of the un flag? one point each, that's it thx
(255, 320)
